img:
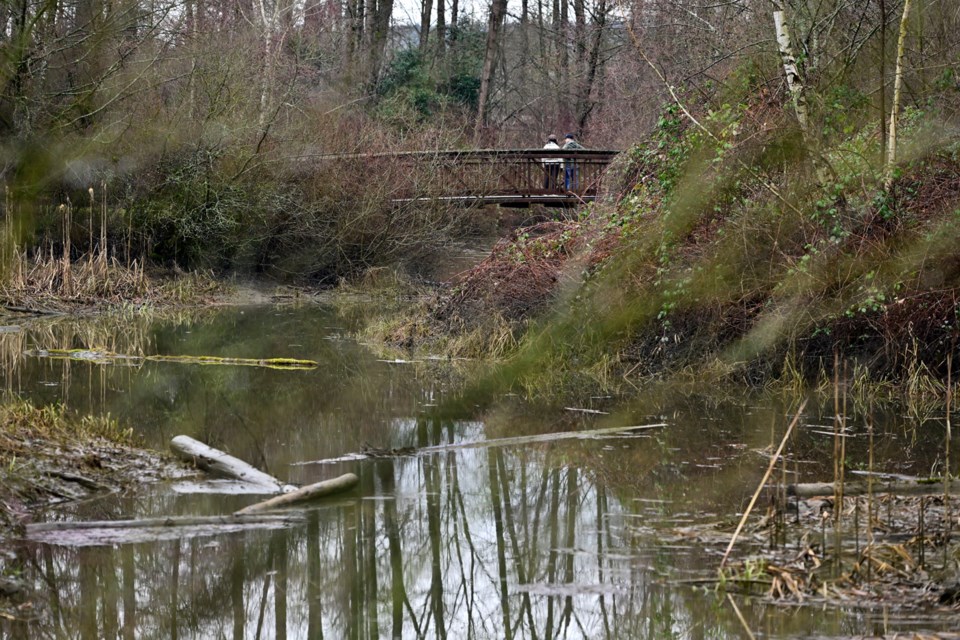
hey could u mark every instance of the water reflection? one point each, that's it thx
(467, 544)
(573, 539)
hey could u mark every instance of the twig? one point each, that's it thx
(766, 476)
(736, 610)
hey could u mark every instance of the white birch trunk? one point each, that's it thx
(271, 15)
(794, 82)
(266, 78)
(798, 93)
(895, 108)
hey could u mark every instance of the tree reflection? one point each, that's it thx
(472, 543)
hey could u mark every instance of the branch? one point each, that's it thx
(769, 186)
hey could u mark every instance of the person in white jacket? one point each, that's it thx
(551, 166)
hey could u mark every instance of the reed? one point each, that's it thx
(947, 469)
(870, 497)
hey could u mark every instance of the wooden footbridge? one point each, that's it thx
(505, 177)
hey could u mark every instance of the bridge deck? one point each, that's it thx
(504, 177)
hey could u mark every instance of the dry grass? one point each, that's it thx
(23, 427)
(47, 282)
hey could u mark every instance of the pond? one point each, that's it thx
(599, 537)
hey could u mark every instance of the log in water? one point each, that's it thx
(221, 464)
(323, 489)
(164, 522)
(912, 488)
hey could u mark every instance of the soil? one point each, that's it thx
(49, 457)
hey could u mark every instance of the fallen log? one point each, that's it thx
(310, 492)
(221, 464)
(910, 488)
(150, 523)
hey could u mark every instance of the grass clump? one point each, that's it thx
(22, 425)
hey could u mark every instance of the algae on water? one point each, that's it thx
(99, 356)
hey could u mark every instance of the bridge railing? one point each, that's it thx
(505, 176)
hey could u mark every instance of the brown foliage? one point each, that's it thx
(522, 273)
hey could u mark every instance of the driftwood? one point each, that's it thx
(218, 463)
(147, 523)
(900, 487)
(310, 492)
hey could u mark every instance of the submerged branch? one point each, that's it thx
(108, 357)
(482, 444)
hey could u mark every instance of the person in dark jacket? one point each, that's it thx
(570, 177)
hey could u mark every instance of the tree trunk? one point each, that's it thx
(378, 29)
(441, 28)
(580, 33)
(454, 11)
(525, 31)
(798, 92)
(794, 83)
(426, 11)
(585, 104)
(883, 82)
(895, 108)
(355, 19)
(563, 82)
(498, 10)
(268, 25)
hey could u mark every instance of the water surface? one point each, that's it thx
(574, 539)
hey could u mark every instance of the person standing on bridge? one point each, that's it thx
(570, 178)
(551, 166)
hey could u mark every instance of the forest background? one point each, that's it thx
(789, 179)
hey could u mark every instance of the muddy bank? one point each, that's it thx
(49, 457)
